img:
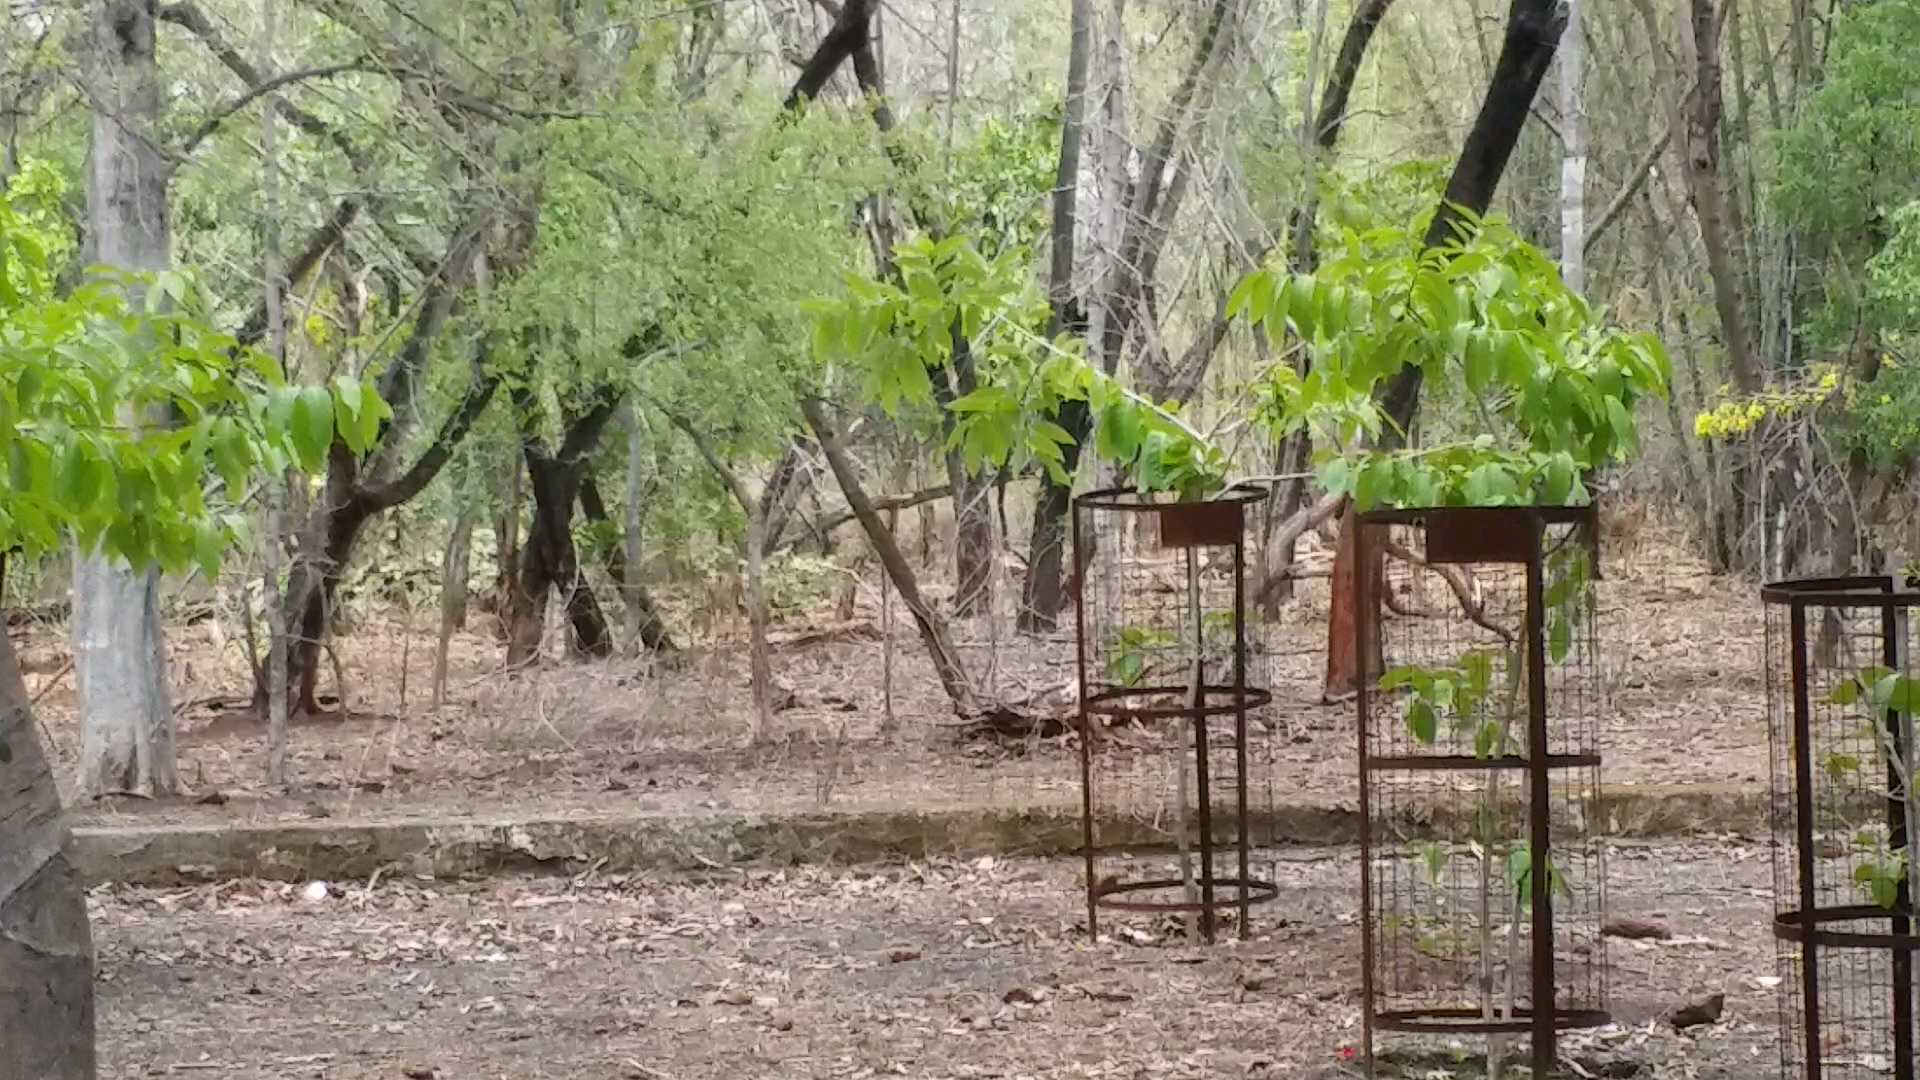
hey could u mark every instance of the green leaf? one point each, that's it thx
(1486, 740)
(1559, 637)
(311, 426)
(1624, 435)
(1904, 697)
(1398, 677)
(1422, 723)
(1846, 692)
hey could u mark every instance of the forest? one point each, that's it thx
(539, 533)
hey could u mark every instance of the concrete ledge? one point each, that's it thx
(335, 849)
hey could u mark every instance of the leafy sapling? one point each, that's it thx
(1887, 701)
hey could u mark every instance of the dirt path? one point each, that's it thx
(938, 970)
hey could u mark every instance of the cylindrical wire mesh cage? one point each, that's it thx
(1482, 884)
(1842, 695)
(1168, 684)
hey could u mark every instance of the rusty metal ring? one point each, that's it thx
(1469, 1021)
(1256, 892)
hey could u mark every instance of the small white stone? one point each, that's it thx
(315, 892)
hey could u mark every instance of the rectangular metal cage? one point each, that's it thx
(1843, 692)
(1483, 884)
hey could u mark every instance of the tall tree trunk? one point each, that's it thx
(1573, 158)
(973, 544)
(1533, 31)
(313, 581)
(46, 947)
(454, 570)
(277, 486)
(1710, 202)
(759, 651)
(1041, 596)
(1317, 143)
(549, 561)
(630, 548)
(126, 717)
(1697, 495)
(1125, 290)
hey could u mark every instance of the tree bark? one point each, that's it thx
(1710, 202)
(1533, 31)
(126, 717)
(347, 503)
(1331, 119)
(1041, 595)
(1150, 207)
(1573, 157)
(454, 571)
(645, 628)
(549, 561)
(46, 947)
(850, 34)
(973, 543)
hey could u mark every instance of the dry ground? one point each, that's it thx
(937, 970)
(1684, 650)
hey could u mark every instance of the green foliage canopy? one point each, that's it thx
(1548, 390)
(79, 372)
(898, 336)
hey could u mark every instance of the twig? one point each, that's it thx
(1456, 580)
(52, 681)
(540, 712)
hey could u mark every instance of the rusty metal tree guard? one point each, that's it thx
(1842, 694)
(1478, 752)
(1166, 689)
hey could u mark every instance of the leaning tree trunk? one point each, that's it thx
(1533, 31)
(126, 719)
(46, 948)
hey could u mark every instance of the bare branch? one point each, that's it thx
(428, 465)
(259, 90)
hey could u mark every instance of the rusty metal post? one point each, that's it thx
(1361, 598)
(1540, 810)
(1087, 728)
(1803, 825)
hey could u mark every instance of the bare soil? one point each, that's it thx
(575, 738)
(979, 969)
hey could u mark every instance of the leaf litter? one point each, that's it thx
(934, 969)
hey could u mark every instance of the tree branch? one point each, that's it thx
(323, 238)
(428, 465)
(933, 629)
(849, 34)
(583, 430)
(1635, 182)
(195, 21)
(259, 90)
